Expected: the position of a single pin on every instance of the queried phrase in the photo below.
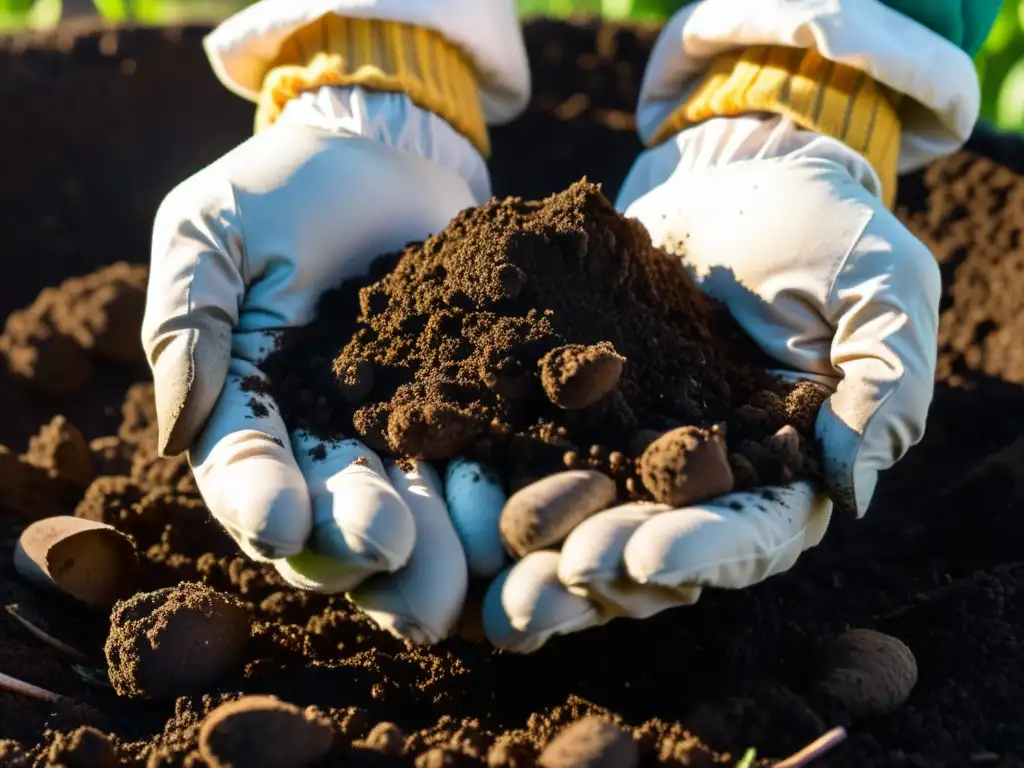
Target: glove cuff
(382, 56)
(819, 95)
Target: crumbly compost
(532, 332)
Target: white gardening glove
(243, 250)
(832, 286)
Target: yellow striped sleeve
(818, 94)
(383, 56)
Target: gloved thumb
(886, 300)
(194, 295)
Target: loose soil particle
(935, 563)
(522, 331)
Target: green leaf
(1010, 104)
(46, 14)
(115, 10)
(748, 759)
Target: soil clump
(175, 640)
(525, 331)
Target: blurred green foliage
(1000, 62)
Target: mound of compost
(539, 334)
(105, 123)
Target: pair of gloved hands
(782, 224)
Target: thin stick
(19, 686)
(50, 640)
(815, 749)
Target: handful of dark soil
(542, 335)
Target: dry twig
(814, 750)
(14, 685)
(45, 637)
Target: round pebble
(869, 673)
(591, 743)
(543, 513)
(264, 731)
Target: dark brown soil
(526, 330)
(106, 127)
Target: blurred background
(1000, 62)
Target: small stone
(355, 379)
(91, 561)
(264, 731)
(544, 512)
(869, 673)
(591, 743)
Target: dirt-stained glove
(830, 284)
(243, 249)
(778, 131)
(371, 133)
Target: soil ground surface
(106, 122)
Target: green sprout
(748, 759)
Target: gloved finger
(246, 472)
(421, 602)
(731, 542)
(886, 317)
(526, 605)
(591, 565)
(475, 500)
(358, 517)
(195, 291)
